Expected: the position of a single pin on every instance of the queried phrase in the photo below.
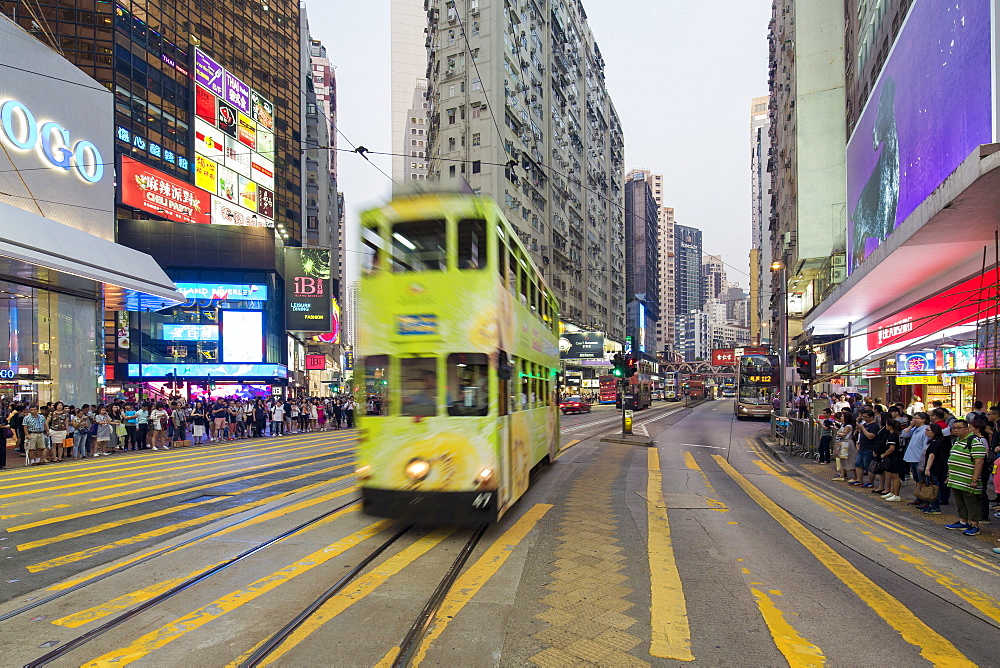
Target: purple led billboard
(931, 106)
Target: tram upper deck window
(418, 386)
(371, 242)
(377, 383)
(468, 384)
(472, 244)
(419, 245)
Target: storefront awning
(940, 244)
(41, 250)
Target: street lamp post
(779, 267)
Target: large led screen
(242, 337)
(190, 332)
(929, 109)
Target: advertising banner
(223, 291)
(208, 73)
(227, 119)
(265, 144)
(227, 213)
(237, 93)
(237, 157)
(727, 356)
(315, 362)
(265, 202)
(307, 290)
(262, 171)
(204, 104)
(909, 363)
(918, 380)
(581, 345)
(248, 194)
(229, 184)
(155, 192)
(205, 174)
(246, 131)
(930, 107)
(263, 110)
(208, 140)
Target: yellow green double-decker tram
(457, 344)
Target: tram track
(411, 641)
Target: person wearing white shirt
(915, 405)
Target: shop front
(59, 265)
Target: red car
(574, 405)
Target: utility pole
(779, 267)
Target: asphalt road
(703, 548)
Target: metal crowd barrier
(796, 435)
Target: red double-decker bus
(608, 393)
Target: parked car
(574, 405)
(657, 396)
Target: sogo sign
(20, 129)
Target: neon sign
(20, 129)
(7, 374)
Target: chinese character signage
(728, 356)
(307, 290)
(153, 191)
(908, 363)
(234, 143)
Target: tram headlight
(484, 477)
(418, 469)
(364, 472)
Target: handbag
(7, 433)
(876, 466)
(93, 429)
(120, 430)
(926, 491)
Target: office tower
(713, 273)
(642, 255)
(519, 110)
(666, 328)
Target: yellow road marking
(138, 596)
(797, 650)
(184, 490)
(671, 631)
(207, 613)
(174, 456)
(933, 646)
(166, 511)
(279, 452)
(692, 464)
(569, 445)
(356, 591)
(280, 512)
(156, 533)
(58, 506)
(472, 580)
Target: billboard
(223, 291)
(315, 362)
(57, 136)
(158, 193)
(190, 332)
(930, 107)
(242, 337)
(234, 145)
(727, 356)
(307, 290)
(581, 345)
(910, 363)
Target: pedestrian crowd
(951, 459)
(55, 432)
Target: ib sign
(21, 130)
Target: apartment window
(451, 170)
(413, 142)
(475, 111)
(451, 143)
(475, 28)
(451, 116)
(413, 176)
(413, 119)
(476, 166)
(477, 84)
(413, 165)
(312, 223)
(475, 139)
(451, 90)
(420, 143)
(413, 131)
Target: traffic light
(170, 381)
(631, 367)
(619, 365)
(805, 364)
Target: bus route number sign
(763, 380)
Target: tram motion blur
(457, 342)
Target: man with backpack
(977, 413)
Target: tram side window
(514, 387)
(502, 261)
(468, 384)
(419, 246)
(377, 383)
(371, 242)
(512, 274)
(418, 386)
(524, 285)
(471, 244)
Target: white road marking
(698, 445)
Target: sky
(681, 75)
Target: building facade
(642, 254)
(519, 111)
(761, 276)
(807, 163)
(713, 275)
(408, 43)
(666, 328)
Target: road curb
(634, 439)
(762, 440)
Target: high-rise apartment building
(693, 325)
(666, 328)
(408, 43)
(761, 276)
(808, 153)
(642, 255)
(520, 111)
(713, 276)
(324, 78)
(319, 187)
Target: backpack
(974, 415)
